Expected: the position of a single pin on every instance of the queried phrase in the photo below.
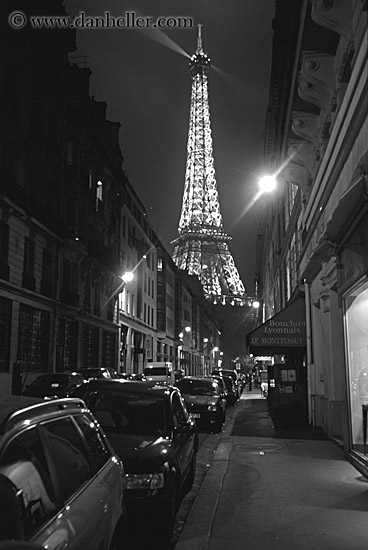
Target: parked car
(242, 381)
(220, 380)
(232, 393)
(98, 372)
(135, 376)
(205, 401)
(160, 371)
(150, 429)
(179, 374)
(57, 384)
(61, 483)
(234, 375)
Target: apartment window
(152, 288)
(159, 264)
(148, 260)
(29, 256)
(69, 152)
(99, 195)
(47, 273)
(4, 243)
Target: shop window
(356, 326)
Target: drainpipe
(310, 365)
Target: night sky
(147, 86)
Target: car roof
(139, 386)
(195, 378)
(15, 409)
(57, 374)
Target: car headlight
(212, 408)
(147, 481)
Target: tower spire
(199, 39)
(202, 245)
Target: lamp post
(125, 334)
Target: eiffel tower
(202, 245)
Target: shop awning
(281, 333)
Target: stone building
(314, 230)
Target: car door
(23, 462)
(184, 435)
(81, 491)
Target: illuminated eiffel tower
(202, 245)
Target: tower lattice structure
(202, 245)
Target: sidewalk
(292, 490)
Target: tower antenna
(199, 39)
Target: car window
(198, 387)
(180, 414)
(128, 412)
(24, 463)
(69, 454)
(39, 382)
(98, 452)
(156, 371)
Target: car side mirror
(185, 427)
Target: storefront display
(356, 329)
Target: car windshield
(50, 381)
(198, 387)
(95, 373)
(128, 412)
(155, 371)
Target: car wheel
(118, 539)
(168, 513)
(191, 475)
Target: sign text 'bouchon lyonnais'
(285, 329)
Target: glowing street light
(127, 276)
(267, 183)
(256, 304)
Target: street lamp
(267, 183)
(256, 304)
(127, 276)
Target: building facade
(313, 235)
(72, 227)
